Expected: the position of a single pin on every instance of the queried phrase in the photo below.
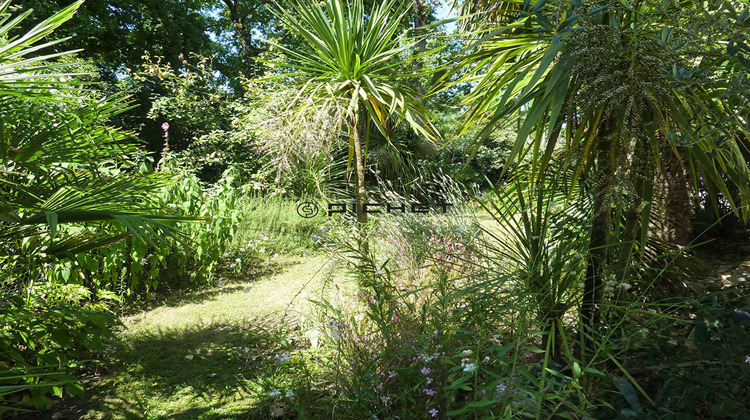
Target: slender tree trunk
(593, 290)
(420, 18)
(361, 193)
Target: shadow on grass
(192, 373)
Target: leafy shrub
(677, 362)
(43, 337)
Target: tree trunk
(593, 290)
(361, 193)
(672, 224)
(245, 36)
(673, 194)
(420, 18)
(638, 177)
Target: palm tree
(67, 180)
(609, 90)
(60, 163)
(350, 61)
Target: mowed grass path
(196, 356)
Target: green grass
(186, 357)
(276, 218)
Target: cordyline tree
(620, 94)
(349, 62)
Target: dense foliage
(539, 184)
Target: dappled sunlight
(353, 210)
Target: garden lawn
(197, 356)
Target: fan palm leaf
(605, 86)
(61, 164)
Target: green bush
(41, 339)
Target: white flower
(470, 367)
(283, 357)
(427, 359)
(275, 393)
(289, 394)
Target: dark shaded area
(218, 367)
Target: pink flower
(428, 391)
(425, 371)
(434, 412)
(165, 126)
(747, 359)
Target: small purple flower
(373, 356)
(165, 126)
(392, 374)
(425, 371)
(501, 386)
(429, 381)
(434, 412)
(384, 399)
(428, 391)
(747, 359)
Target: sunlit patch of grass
(198, 356)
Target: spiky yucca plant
(349, 63)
